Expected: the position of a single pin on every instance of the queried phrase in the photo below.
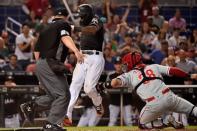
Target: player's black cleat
(28, 110)
(99, 110)
(52, 127)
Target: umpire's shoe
(28, 110)
(99, 110)
(52, 127)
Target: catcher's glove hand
(102, 86)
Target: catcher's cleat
(28, 110)
(52, 127)
(67, 122)
(99, 110)
(173, 123)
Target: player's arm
(120, 81)
(174, 71)
(36, 55)
(67, 40)
(115, 83)
(37, 49)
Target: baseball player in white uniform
(147, 81)
(88, 73)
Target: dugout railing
(34, 89)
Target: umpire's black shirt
(93, 41)
(50, 39)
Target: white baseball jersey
(148, 88)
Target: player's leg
(84, 118)
(113, 114)
(127, 115)
(94, 71)
(150, 116)
(181, 105)
(180, 117)
(170, 121)
(75, 87)
(93, 118)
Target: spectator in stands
(114, 107)
(139, 43)
(127, 46)
(147, 34)
(42, 24)
(169, 61)
(154, 28)
(12, 118)
(158, 20)
(159, 54)
(193, 39)
(114, 19)
(38, 6)
(175, 39)
(109, 61)
(146, 9)
(3, 49)
(177, 21)
(184, 64)
(49, 14)
(120, 32)
(12, 65)
(192, 55)
(5, 36)
(24, 45)
(183, 44)
(156, 43)
(32, 20)
(166, 29)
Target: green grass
(116, 128)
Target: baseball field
(118, 128)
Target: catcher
(147, 81)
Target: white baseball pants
(166, 103)
(87, 73)
(89, 118)
(13, 122)
(114, 112)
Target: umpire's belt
(164, 91)
(91, 52)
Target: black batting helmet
(86, 13)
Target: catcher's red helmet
(130, 60)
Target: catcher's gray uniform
(158, 97)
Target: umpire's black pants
(57, 92)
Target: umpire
(50, 71)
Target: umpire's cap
(62, 11)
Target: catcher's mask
(86, 13)
(130, 60)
